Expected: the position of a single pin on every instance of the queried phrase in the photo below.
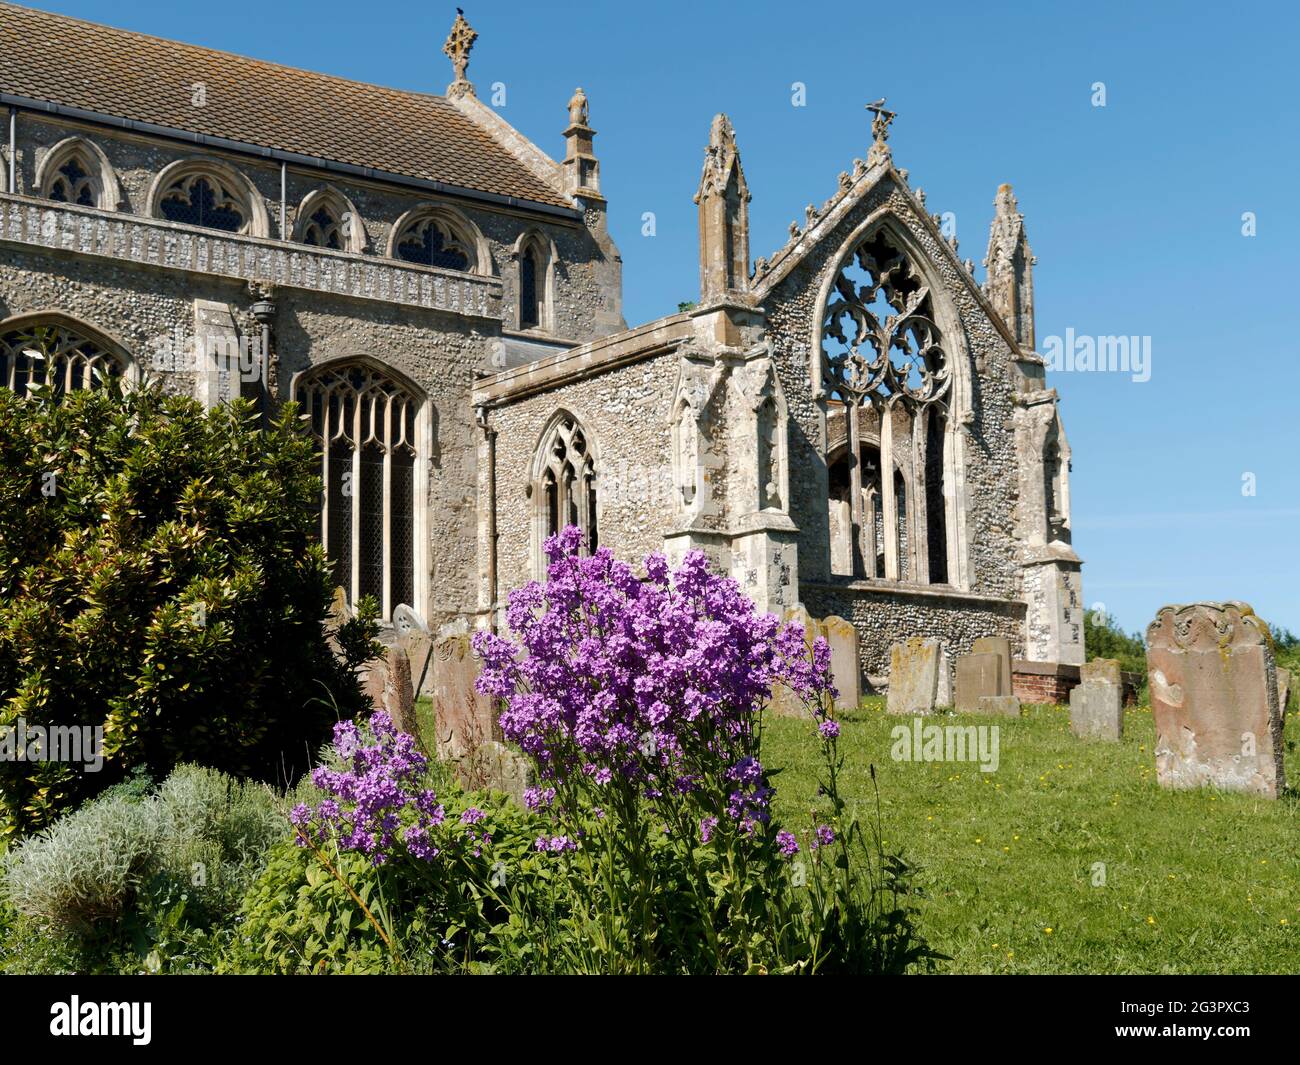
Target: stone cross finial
(882, 117)
(457, 48)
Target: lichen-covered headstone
(1097, 701)
(1215, 699)
(914, 667)
(495, 765)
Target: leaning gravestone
(845, 668)
(977, 677)
(1097, 701)
(1000, 646)
(388, 687)
(1214, 698)
(914, 667)
(464, 719)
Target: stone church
(850, 422)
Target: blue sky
(1133, 209)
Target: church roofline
(333, 166)
(112, 76)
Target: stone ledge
(168, 245)
(895, 589)
(651, 340)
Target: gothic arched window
(885, 367)
(76, 171)
(535, 255)
(564, 485)
(56, 355)
(529, 307)
(432, 242)
(328, 219)
(72, 183)
(365, 426)
(324, 229)
(203, 199)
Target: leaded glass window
(324, 229)
(73, 184)
(429, 242)
(364, 424)
(565, 492)
(54, 355)
(529, 307)
(201, 200)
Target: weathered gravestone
(1097, 701)
(845, 667)
(388, 687)
(1000, 646)
(1000, 705)
(977, 677)
(1283, 689)
(497, 766)
(464, 719)
(914, 668)
(1214, 699)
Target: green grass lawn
(1195, 882)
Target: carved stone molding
(152, 242)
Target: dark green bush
(159, 578)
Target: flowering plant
(651, 686)
(375, 794)
(641, 699)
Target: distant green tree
(1286, 649)
(1104, 638)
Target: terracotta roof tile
(148, 79)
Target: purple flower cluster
(651, 682)
(375, 797)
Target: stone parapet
(168, 245)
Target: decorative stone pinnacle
(457, 48)
(880, 151)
